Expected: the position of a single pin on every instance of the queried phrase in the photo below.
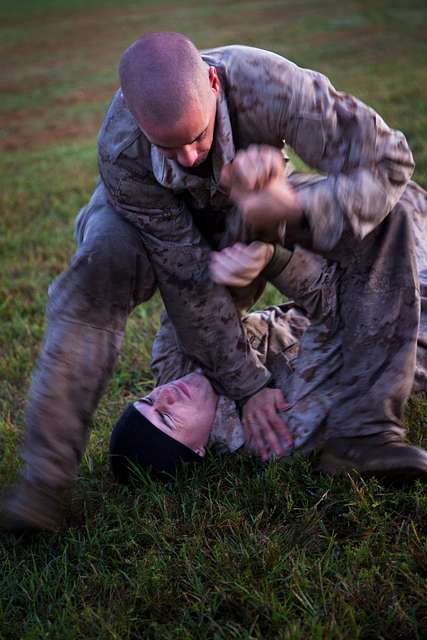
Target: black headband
(135, 441)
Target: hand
(240, 264)
(259, 188)
(264, 210)
(253, 169)
(263, 425)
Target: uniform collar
(172, 176)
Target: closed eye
(167, 420)
(164, 417)
(202, 135)
(172, 149)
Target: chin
(203, 380)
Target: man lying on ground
(176, 421)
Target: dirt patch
(28, 129)
(88, 95)
(51, 135)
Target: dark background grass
(240, 550)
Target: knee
(106, 279)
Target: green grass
(238, 550)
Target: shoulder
(119, 129)
(243, 65)
(261, 89)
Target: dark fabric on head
(136, 441)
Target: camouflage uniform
(152, 224)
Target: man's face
(183, 409)
(189, 140)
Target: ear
(125, 102)
(201, 451)
(214, 80)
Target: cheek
(206, 411)
(204, 151)
(207, 143)
(192, 415)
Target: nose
(164, 397)
(187, 156)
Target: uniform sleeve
(366, 165)
(313, 283)
(206, 321)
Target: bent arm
(303, 276)
(367, 164)
(309, 280)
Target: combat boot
(395, 462)
(30, 507)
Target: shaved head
(162, 77)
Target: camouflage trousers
(352, 377)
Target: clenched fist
(253, 169)
(259, 187)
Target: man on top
(158, 211)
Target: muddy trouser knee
(87, 311)
(356, 365)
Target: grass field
(240, 550)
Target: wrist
(288, 203)
(240, 403)
(269, 253)
(278, 262)
(295, 209)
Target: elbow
(399, 163)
